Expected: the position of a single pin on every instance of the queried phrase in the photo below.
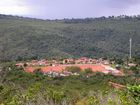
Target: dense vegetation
(92, 37)
(20, 88)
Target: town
(58, 68)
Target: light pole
(130, 50)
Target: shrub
(73, 69)
(135, 93)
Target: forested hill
(27, 38)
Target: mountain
(92, 37)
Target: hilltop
(91, 37)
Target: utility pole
(130, 51)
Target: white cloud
(133, 10)
(69, 8)
(14, 7)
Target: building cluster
(82, 60)
(85, 60)
(56, 68)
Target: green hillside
(27, 38)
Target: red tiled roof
(59, 68)
(30, 69)
(19, 64)
(95, 68)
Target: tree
(119, 61)
(134, 69)
(38, 71)
(25, 65)
(73, 69)
(39, 74)
(87, 71)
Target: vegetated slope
(26, 38)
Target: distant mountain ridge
(91, 37)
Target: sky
(59, 9)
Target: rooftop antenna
(130, 50)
